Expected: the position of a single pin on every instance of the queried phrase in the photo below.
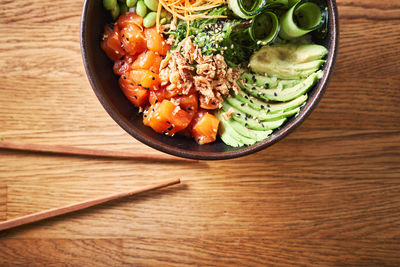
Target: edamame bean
(150, 19)
(151, 4)
(123, 8)
(109, 4)
(115, 12)
(163, 21)
(131, 3)
(141, 8)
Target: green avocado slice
(283, 94)
(228, 130)
(276, 107)
(252, 123)
(263, 115)
(268, 82)
(288, 61)
(249, 133)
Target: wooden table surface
(328, 194)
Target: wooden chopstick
(71, 150)
(41, 215)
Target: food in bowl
(205, 69)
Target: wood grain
(85, 204)
(3, 202)
(327, 195)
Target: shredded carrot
(158, 17)
(188, 10)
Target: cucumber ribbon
(303, 17)
(265, 28)
(247, 9)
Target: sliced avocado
(298, 71)
(251, 101)
(310, 52)
(263, 115)
(279, 115)
(259, 80)
(232, 133)
(249, 133)
(276, 107)
(284, 94)
(226, 137)
(267, 82)
(251, 123)
(288, 61)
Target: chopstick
(41, 215)
(71, 150)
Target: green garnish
(303, 17)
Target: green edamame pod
(141, 8)
(115, 12)
(109, 4)
(131, 3)
(150, 19)
(123, 8)
(151, 4)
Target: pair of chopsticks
(70, 150)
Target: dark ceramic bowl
(105, 85)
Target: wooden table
(329, 194)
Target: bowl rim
(311, 104)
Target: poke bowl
(230, 80)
